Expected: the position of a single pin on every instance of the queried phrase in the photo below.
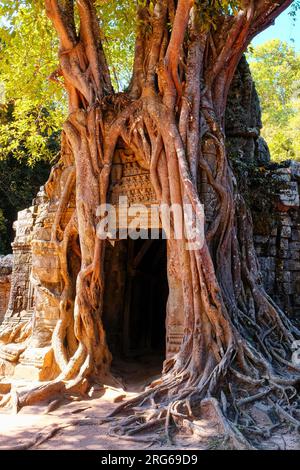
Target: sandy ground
(69, 427)
(66, 427)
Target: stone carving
(6, 263)
(129, 179)
(18, 300)
(243, 118)
(36, 282)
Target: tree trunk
(237, 343)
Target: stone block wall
(6, 263)
(277, 241)
(22, 260)
(279, 251)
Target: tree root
(17, 399)
(182, 406)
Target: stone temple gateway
(136, 284)
(137, 271)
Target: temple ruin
(6, 263)
(137, 271)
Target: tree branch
(159, 23)
(265, 15)
(90, 36)
(252, 19)
(176, 41)
(63, 22)
(138, 76)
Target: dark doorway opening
(135, 307)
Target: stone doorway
(135, 308)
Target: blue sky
(285, 29)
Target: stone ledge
(36, 364)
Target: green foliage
(118, 24)
(3, 233)
(210, 10)
(275, 67)
(31, 108)
(19, 184)
(295, 7)
(35, 106)
(28, 56)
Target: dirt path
(68, 428)
(78, 425)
